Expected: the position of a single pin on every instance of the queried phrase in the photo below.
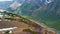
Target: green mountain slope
(29, 6)
(49, 14)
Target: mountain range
(6, 5)
(42, 11)
(49, 14)
(30, 5)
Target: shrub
(28, 30)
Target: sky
(5, 0)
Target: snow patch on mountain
(15, 5)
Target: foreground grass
(28, 30)
(20, 19)
(53, 22)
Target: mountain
(45, 11)
(5, 4)
(29, 6)
(8, 5)
(12, 7)
(20, 1)
(49, 14)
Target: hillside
(23, 25)
(46, 12)
(30, 5)
(49, 14)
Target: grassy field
(49, 22)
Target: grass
(53, 22)
(28, 30)
(21, 19)
(7, 32)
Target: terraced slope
(23, 23)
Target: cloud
(6, 0)
(48, 1)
